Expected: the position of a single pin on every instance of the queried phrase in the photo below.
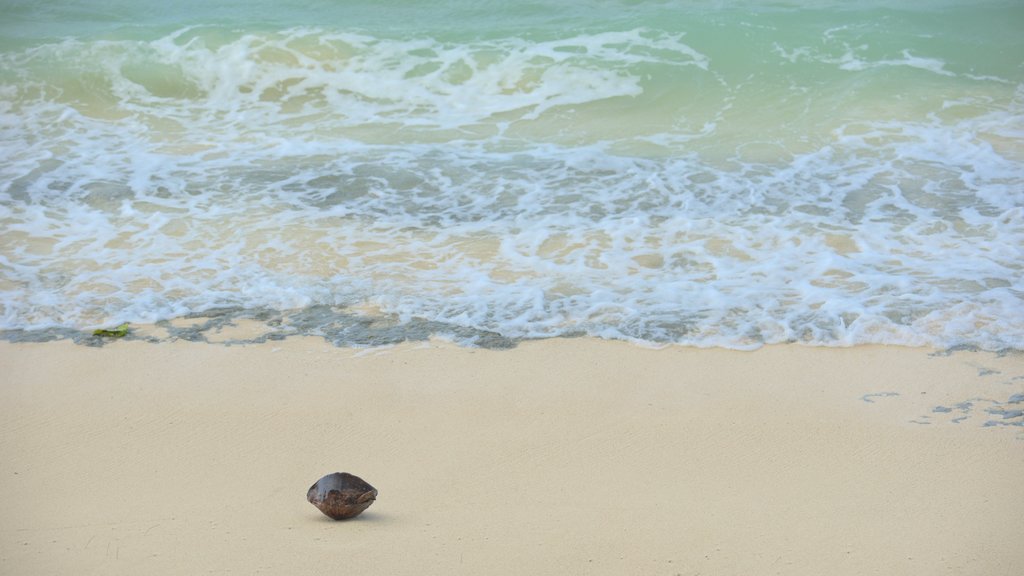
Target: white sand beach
(557, 457)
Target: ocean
(706, 173)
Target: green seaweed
(118, 332)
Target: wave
(638, 184)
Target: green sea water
(709, 173)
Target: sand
(557, 457)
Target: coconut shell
(341, 495)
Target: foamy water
(663, 173)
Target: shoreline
(558, 456)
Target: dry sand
(558, 457)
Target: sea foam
(637, 184)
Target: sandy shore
(558, 457)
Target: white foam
(850, 61)
(356, 79)
(853, 57)
(308, 168)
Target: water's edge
(345, 328)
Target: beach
(561, 456)
(601, 287)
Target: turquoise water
(706, 173)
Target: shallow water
(707, 173)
